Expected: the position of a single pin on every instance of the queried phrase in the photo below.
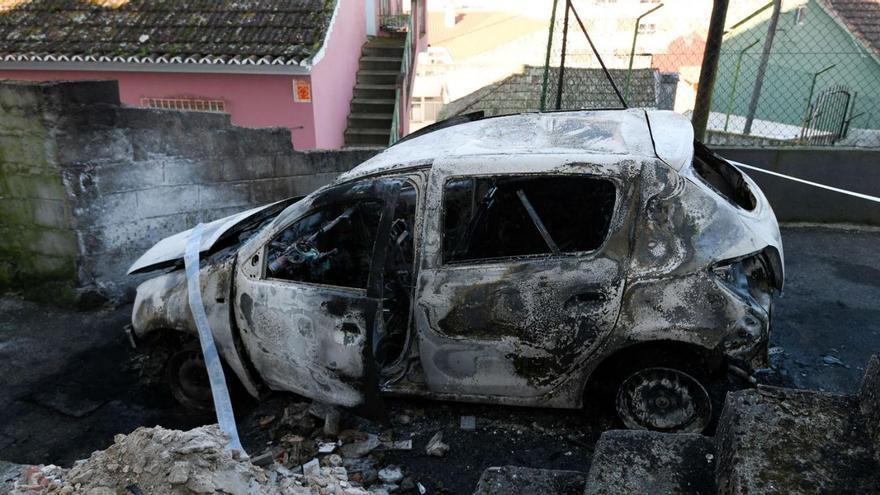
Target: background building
(287, 64)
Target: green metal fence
(813, 79)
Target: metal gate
(826, 120)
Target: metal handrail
(403, 86)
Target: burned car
(520, 260)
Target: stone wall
(89, 185)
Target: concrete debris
(468, 423)
(326, 447)
(390, 474)
(436, 447)
(360, 447)
(833, 361)
(396, 445)
(157, 460)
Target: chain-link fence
(817, 82)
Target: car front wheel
(188, 379)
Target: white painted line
(810, 183)
(222, 403)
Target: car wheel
(187, 377)
(663, 399)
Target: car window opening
(513, 216)
(723, 178)
(331, 246)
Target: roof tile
(283, 31)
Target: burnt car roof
(639, 132)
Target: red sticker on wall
(302, 91)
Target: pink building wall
(334, 75)
(252, 100)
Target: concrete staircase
(769, 440)
(372, 106)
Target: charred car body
(511, 260)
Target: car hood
(170, 250)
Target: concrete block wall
(119, 179)
(855, 170)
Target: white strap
(222, 403)
(810, 183)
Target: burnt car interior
(330, 246)
(503, 217)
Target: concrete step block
(776, 440)
(869, 401)
(631, 461)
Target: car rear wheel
(663, 399)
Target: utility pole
(709, 69)
(762, 66)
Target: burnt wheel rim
(663, 399)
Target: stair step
(372, 105)
(631, 461)
(380, 63)
(353, 138)
(384, 132)
(380, 59)
(374, 101)
(784, 440)
(380, 77)
(375, 90)
(514, 479)
(386, 41)
(382, 51)
(369, 121)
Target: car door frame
(438, 348)
(360, 393)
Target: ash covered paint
(525, 330)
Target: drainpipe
(632, 50)
(735, 77)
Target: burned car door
(309, 296)
(525, 280)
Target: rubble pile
(154, 460)
(306, 454)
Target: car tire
(646, 375)
(187, 377)
(664, 399)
